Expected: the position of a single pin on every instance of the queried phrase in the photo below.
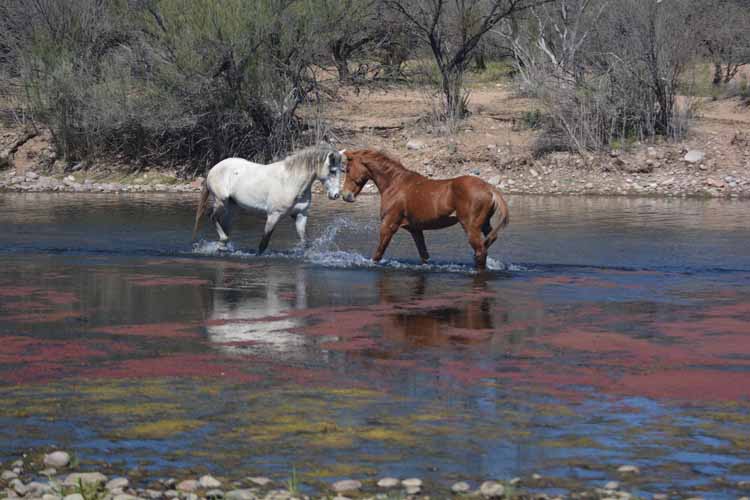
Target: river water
(610, 331)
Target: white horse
(278, 189)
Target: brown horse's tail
(499, 218)
(201, 207)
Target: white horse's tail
(201, 207)
(499, 218)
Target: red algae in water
(181, 365)
(169, 330)
(149, 280)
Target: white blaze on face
(332, 181)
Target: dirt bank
(494, 143)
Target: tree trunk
(455, 108)
(480, 60)
(340, 53)
(717, 75)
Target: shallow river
(611, 331)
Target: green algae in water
(161, 429)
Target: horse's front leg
(388, 228)
(421, 245)
(300, 222)
(271, 221)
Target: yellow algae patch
(332, 440)
(550, 410)
(136, 409)
(570, 442)
(339, 470)
(355, 393)
(390, 435)
(25, 410)
(155, 389)
(162, 429)
(725, 416)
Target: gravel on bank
(33, 478)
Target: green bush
(180, 82)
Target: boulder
(57, 459)
(694, 156)
(346, 485)
(87, 478)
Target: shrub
(184, 82)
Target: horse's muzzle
(333, 196)
(349, 197)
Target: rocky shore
(54, 476)
(687, 174)
(716, 169)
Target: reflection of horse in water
(254, 317)
(440, 321)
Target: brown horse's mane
(383, 162)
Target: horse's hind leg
(476, 240)
(474, 229)
(421, 245)
(222, 217)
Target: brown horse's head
(357, 175)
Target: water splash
(324, 251)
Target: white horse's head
(330, 175)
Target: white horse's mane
(309, 159)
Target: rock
(214, 495)
(414, 145)
(388, 482)
(187, 486)
(209, 482)
(259, 481)
(589, 186)
(536, 477)
(346, 485)
(514, 481)
(32, 175)
(413, 490)
(240, 495)
(38, 489)
(714, 183)
(660, 496)
(495, 180)
(87, 478)
(49, 471)
(413, 481)
(171, 494)
(491, 489)
(51, 496)
(694, 156)
(57, 459)
(18, 486)
(461, 487)
(533, 173)
(124, 496)
(74, 496)
(8, 475)
(612, 485)
(117, 483)
(628, 469)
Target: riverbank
(668, 171)
(56, 476)
(556, 176)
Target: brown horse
(412, 201)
